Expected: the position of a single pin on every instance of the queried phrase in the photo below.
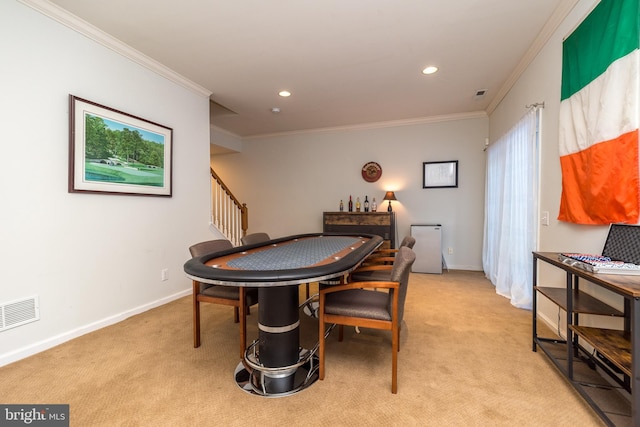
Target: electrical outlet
(164, 274)
(450, 251)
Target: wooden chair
(353, 304)
(408, 241)
(251, 239)
(378, 265)
(239, 297)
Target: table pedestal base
(275, 365)
(265, 384)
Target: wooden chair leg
(340, 333)
(236, 315)
(321, 341)
(307, 291)
(196, 315)
(394, 361)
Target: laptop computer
(620, 254)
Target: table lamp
(390, 196)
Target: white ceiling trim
(65, 18)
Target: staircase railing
(229, 216)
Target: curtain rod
(535, 105)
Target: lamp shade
(390, 196)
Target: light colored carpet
(465, 360)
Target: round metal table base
(256, 382)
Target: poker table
(274, 365)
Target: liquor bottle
(366, 204)
(350, 205)
(357, 204)
(341, 206)
(374, 205)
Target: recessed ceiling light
(430, 70)
(284, 93)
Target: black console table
(608, 377)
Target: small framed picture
(440, 174)
(115, 152)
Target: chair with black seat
(239, 297)
(378, 265)
(355, 304)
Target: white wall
(225, 142)
(288, 181)
(541, 83)
(91, 259)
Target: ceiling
(346, 62)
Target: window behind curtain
(511, 206)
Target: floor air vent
(19, 312)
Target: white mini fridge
(428, 248)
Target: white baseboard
(30, 350)
(462, 267)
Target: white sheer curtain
(511, 206)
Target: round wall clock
(371, 172)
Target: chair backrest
(251, 239)
(408, 241)
(209, 246)
(400, 273)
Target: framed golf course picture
(114, 152)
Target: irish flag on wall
(599, 117)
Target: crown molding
(71, 21)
